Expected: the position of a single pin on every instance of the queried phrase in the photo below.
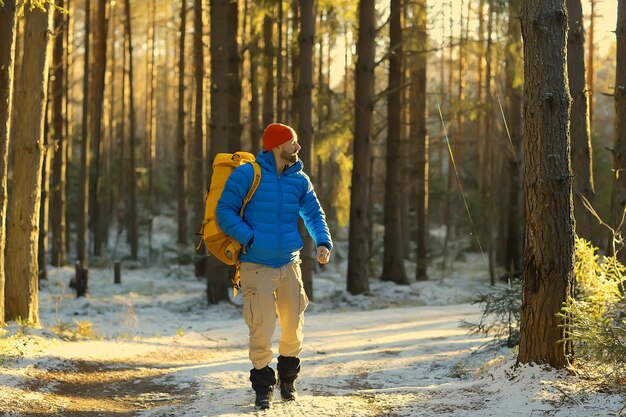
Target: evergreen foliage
(596, 316)
(501, 314)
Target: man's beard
(292, 158)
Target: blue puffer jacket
(271, 216)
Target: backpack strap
(255, 184)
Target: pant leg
(291, 301)
(258, 283)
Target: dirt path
(348, 360)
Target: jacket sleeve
(314, 218)
(229, 205)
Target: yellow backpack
(222, 246)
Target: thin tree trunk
(489, 153)
(44, 209)
(151, 122)
(619, 147)
(181, 165)
(549, 243)
(97, 72)
(198, 173)
(305, 123)
(59, 253)
(21, 287)
(255, 130)
(234, 78)
(419, 135)
(8, 21)
(579, 122)
(513, 106)
(360, 232)
(591, 67)
(279, 64)
(393, 259)
(133, 225)
(268, 66)
(68, 127)
(217, 272)
(83, 195)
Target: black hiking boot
(288, 368)
(288, 391)
(264, 399)
(263, 381)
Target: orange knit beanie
(276, 134)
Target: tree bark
(83, 195)
(8, 21)
(591, 66)
(305, 123)
(279, 64)
(419, 134)
(549, 242)
(217, 288)
(44, 207)
(360, 232)
(268, 69)
(59, 253)
(619, 147)
(513, 109)
(97, 71)
(133, 226)
(234, 78)
(393, 259)
(579, 122)
(28, 146)
(255, 129)
(181, 165)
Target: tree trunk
(619, 148)
(590, 67)
(8, 21)
(234, 78)
(44, 208)
(489, 154)
(268, 69)
(97, 70)
(279, 64)
(59, 253)
(133, 226)
(151, 123)
(28, 147)
(68, 127)
(419, 135)
(217, 288)
(549, 243)
(255, 130)
(295, 62)
(513, 108)
(393, 260)
(579, 122)
(360, 232)
(305, 123)
(83, 195)
(181, 166)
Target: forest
(464, 151)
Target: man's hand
(323, 255)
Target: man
(270, 260)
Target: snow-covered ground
(153, 347)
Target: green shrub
(595, 318)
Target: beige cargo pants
(267, 293)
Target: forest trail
(367, 363)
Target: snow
(151, 346)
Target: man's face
(289, 150)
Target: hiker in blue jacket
(271, 279)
